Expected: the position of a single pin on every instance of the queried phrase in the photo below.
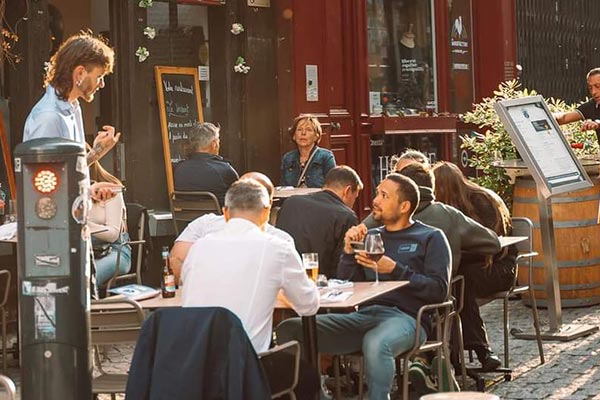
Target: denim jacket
(322, 161)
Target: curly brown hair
(81, 49)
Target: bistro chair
(137, 220)
(187, 206)
(113, 321)
(521, 226)
(7, 277)
(281, 365)
(440, 314)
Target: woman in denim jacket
(308, 164)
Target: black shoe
(489, 361)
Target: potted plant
(495, 143)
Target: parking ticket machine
(54, 292)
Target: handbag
(101, 249)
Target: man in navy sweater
(384, 327)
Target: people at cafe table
(318, 221)
(385, 327)
(205, 170)
(308, 164)
(242, 268)
(588, 112)
(210, 223)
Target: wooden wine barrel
(577, 239)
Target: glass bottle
(168, 278)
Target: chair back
(9, 387)
(137, 223)
(115, 321)
(522, 226)
(281, 365)
(187, 206)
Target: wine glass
(374, 250)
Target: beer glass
(311, 265)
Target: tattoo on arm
(95, 153)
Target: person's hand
(589, 125)
(103, 191)
(385, 265)
(355, 234)
(104, 141)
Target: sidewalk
(572, 369)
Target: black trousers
(482, 281)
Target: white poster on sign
(259, 3)
(312, 83)
(204, 73)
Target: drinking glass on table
(311, 265)
(374, 250)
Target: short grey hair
(202, 134)
(247, 195)
(409, 154)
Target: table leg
(311, 350)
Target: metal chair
(187, 206)
(136, 227)
(5, 273)
(9, 387)
(281, 365)
(521, 226)
(112, 325)
(440, 316)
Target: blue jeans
(106, 266)
(380, 332)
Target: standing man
(385, 326)
(205, 170)
(319, 221)
(588, 112)
(76, 70)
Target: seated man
(205, 170)
(384, 327)
(242, 268)
(209, 223)
(319, 221)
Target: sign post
(555, 169)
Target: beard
(88, 90)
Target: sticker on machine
(44, 312)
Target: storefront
(382, 75)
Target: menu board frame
(526, 120)
(159, 71)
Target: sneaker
(419, 376)
(445, 386)
(325, 393)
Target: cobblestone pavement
(571, 371)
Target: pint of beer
(311, 265)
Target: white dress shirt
(210, 223)
(242, 269)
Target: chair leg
(536, 324)
(361, 375)
(4, 350)
(506, 330)
(461, 350)
(405, 378)
(336, 374)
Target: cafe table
(283, 192)
(509, 240)
(361, 293)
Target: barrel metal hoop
(570, 224)
(588, 301)
(579, 286)
(556, 200)
(570, 263)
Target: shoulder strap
(312, 155)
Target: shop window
(182, 40)
(401, 57)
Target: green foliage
(495, 144)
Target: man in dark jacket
(319, 221)
(384, 327)
(205, 170)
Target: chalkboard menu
(179, 102)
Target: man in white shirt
(242, 268)
(210, 223)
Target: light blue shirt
(53, 117)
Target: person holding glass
(307, 165)
(385, 326)
(109, 219)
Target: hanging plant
(240, 66)
(150, 32)
(145, 3)
(236, 28)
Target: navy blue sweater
(422, 256)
